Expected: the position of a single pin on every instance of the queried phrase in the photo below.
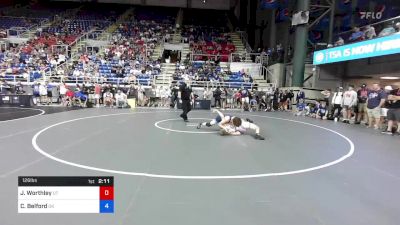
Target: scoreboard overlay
(65, 194)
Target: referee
(185, 95)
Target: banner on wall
(365, 49)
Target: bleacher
(200, 72)
(9, 22)
(145, 30)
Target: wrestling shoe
(249, 120)
(259, 137)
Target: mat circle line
(157, 124)
(199, 177)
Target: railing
(379, 26)
(207, 57)
(244, 38)
(162, 77)
(56, 79)
(233, 57)
(16, 31)
(266, 73)
(223, 84)
(253, 57)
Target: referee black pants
(186, 107)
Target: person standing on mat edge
(185, 97)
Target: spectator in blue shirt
(300, 108)
(81, 97)
(357, 35)
(300, 95)
(376, 99)
(49, 93)
(322, 112)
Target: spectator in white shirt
(43, 92)
(337, 102)
(369, 32)
(76, 73)
(63, 92)
(349, 101)
(108, 98)
(121, 99)
(61, 58)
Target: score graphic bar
(65, 194)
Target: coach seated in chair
(121, 99)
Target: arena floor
(167, 172)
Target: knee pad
(208, 124)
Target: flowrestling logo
(371, 15)
(365, 49)
(375, 15)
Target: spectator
(376, 99)
(49, 93)
(165, 96)
(142, 98)
(262, 105)
(388, 30)
(369, 32)
(357, 35)
(36, 91)
(393, 115)
(229, 98)
(283, 96)
(300, 95)
(238, 99)
(121, 99)
(339, 42)
(327, 95)
(290, 99)
(43, 93)
(174, 95)
(362, 96)
(81, 97)
(63, 92)
(337, 103)
(398, 27)
(108, 98)
(244, 94)
(300, 108)
(253, 104)
(348, 102)
(322, 112)
(97, 94)
(224, 94)
(69, 97)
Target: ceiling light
(390, 78)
